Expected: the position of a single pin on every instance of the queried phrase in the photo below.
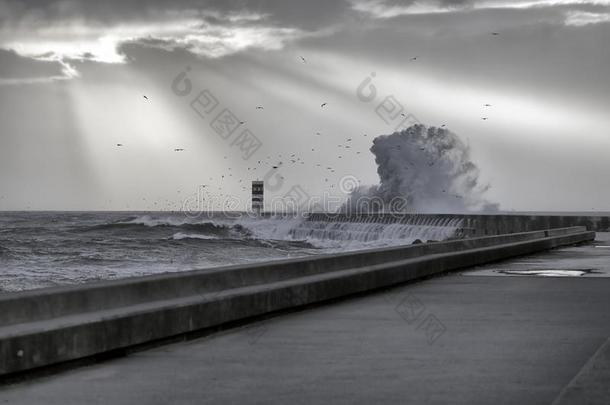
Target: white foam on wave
(147, 220)
(181, 236)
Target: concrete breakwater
(470, 224)
(49, 326)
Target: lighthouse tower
(257, 196)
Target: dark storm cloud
(451, 43)
(214, 28)
(302, 14)
(535, 51)
(16, 68)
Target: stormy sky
(73, 76)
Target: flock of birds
(215, 199)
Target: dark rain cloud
(309, 14)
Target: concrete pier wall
(61, 301)
(48, 326)
(477, 225)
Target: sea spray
(423, 169)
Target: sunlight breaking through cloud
(581, 18)
(383, 9)
(206, 34)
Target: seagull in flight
(178, 150)
(145, 97)
(119, 144)
(486, 105)
(260, 107)
(484, 118)
(414, 58)
(303, 59)
(323, 105)
(495, 33)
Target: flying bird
(414, 58)
(260, 107)
(495, 33)
(484, 118)
(486, 105)
(119, 144)
(303, 59)
(178, 150)
(323, 105)
(145, 97)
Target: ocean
(44, 249)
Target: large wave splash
(422, 169)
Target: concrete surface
(594, 259)
(48, 341)
(592, 384)
(449, 340)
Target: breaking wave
(333, 231)
(147, 223)
(181, 236)
(422, 169)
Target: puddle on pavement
(546, 273)
(537, 272)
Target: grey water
(44, 249)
